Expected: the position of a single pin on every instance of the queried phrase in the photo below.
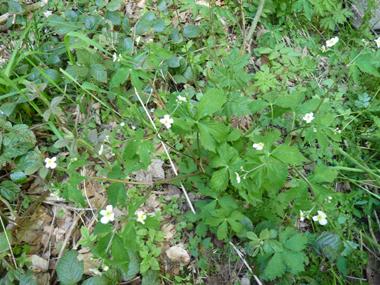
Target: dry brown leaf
(88, 263)
(169, 230)
(155, 168)
(38, 263)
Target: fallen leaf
(38, 263)
(169, 230)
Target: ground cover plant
(189, 142)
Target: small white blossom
(107, 215)
(321, 218)
(101, 150)
(302, 216)
(167, 121)
(54, 195)
(141, 217)
(237, 177)
(114, 57)
(314, 130)
(50, 162)
(138, 39)
(133, 127)
(152, 110)
(308, 117)
(337, 130)
(377, 41)
(122, 124)
(105, 267)
(332, 42)
(180, 98)
(323, 48)
(258, 146)
(95, 271)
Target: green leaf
(142, 26)
(18, 176)
(119, 77)
(54, 75)
(96, 280)
(322, 173)
(117, 193)
(276, 266)
(191, 31)
(61, 143)
(9, 190)
(97, 71)
(264, 234)
(151, 278)
(114, 17)
(342, 265)
(4, 245)
(120, 254)
(145, 157)
(113, 5)
(297, 242)
(7, 108)
(211, 102)
(289, 154)
(134, 265)
(85, 57)
(14, 7)
(159, 25)
(89, 22)
(222, 231)
(295, 261)
(219, 180)
(76, 195)
(69, 269)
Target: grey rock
(357, 9)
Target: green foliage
(69, 269)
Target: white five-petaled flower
(50, 162)
(323, 48)
(237, 177)
(258, 146)
(140, 217)
(332, 42)
(122, 124)
(377, 41)
(321, 218)
(133, 127)
(101, 150)
(54, 195)
(302, 216)
(167, 121)
(107, 215)
(181, 98)
(308, 117)
(337, 130)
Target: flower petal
(104, 220)
(323, 222)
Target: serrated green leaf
(4, 245)
(119, 77)
(97, 71)
(159, 25)
(96, 280)
(113, 5)
(117, 193)
(14, 7)
(211, 102)
(288, 154)
(295, 261)
(219, 180)
(69, 269)
(297, 242)
(9, 190)
(222, 231)
(191, 31)
(76, 195)
(89, 22)
(7, 108)
(342, 265)
(151, 278)
(276, 266)
(54, 75)
(120, 254)
(142, 26)
(114, 17)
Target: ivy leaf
(117, 193)
(191, 31)
(69, 269)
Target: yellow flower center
(320, 217)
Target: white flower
(133, 127)
(258, 146)
(50, 162)
(122, 124)
(332, 42)
(95, 271)
(140, 217)
(323, 48)
(308, 117)
(321, 218)
(180, 98)
(152, 110)
(54, 195)
(114, 57)
(378, 42)
(337, 130)
(237, 177)
(105, 267)
(107, 215)
(167, 121)
(302, 216)
(138, 39)
(101, 150)
(314, 130)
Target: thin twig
(246, 264)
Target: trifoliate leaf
(297, 242)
